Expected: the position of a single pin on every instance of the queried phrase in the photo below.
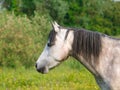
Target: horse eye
(49, 44)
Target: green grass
(63, 77)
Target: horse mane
(86, 43)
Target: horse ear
(55, 26)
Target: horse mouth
(44, 70)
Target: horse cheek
(64, 53)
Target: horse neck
(89, 64)
(86, 48)
(92, 64)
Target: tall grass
(62, 77)
(21, 39)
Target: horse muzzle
(42, 70)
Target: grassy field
(64, 77)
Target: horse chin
(45, 71)
(52, 67)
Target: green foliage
(20, 6)
(21, 39)
(28, 7)
(57, 9)
(95, 15)
(80, 13)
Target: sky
(116, 0)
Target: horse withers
(99, 53)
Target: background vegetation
(25, 24)
(24, 28)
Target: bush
(21, 39)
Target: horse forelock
(86, 43)
(53, 34)
(51, 37)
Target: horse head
(56, 50)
